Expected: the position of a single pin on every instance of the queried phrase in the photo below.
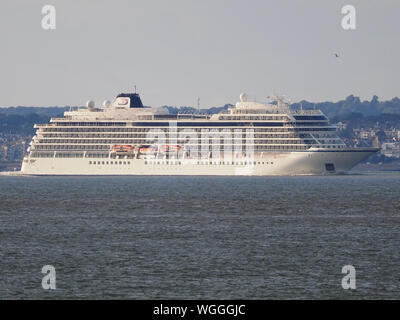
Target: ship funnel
(131, 100)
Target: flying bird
(336, 55)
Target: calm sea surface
(200, 237)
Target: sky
(178, 50)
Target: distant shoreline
(395, 166)
(10, 165)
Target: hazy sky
(178, 50)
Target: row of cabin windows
(95, 124)
(210, 162)
(163, 162)
(42, 154)
(179, 135)
(240, 117)
(204, 140)
(174, 135)
(107, 147)
(232, 162)
(109, 162)
(112, 139)
(256, 129)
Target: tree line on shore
(20, 120)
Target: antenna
(135, 88)
(198, 104)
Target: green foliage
(357, 113)
(353, 104)
(20, 120)
(357, 120)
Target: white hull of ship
(274, 163)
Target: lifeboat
(122, 149)
(148, 149)
(170, 148)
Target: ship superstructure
(126, 138)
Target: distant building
(373, 133)
(341, 125)
(12, 147)
(376, 143)
(390, 134)
(391, 149)
(364, 134)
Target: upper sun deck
(278, 107)
(122, 109)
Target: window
(330, 167)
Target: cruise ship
(124, 137)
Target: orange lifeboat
(148, 149)
(122, 148)
(170, 148)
